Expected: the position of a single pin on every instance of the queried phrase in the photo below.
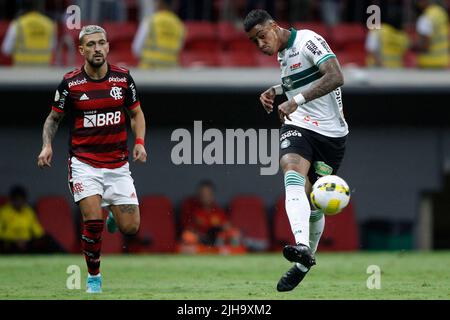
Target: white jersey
(300, 62)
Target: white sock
(297, 206)
(316, 226)
(95, 275)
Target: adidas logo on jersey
(84, 97)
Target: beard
(96, 64)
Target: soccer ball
(331, 194)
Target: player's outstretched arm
(50, 127)
(138, 128)
(332, 79)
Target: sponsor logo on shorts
(290, 133)
(77, 82)
(286, 143)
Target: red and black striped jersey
(98, 134)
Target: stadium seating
(237, 59)
(355, 58)
(266, 61)
(317, 27)
(199, 59)
(157, 229)
(248, 214)
(201, 36)
(187, 210)
(120, 35)
(3, 200)
(4, 60)
(209, 44)
(341, 232)
(55, 215)
(347, 36)
(124, 58)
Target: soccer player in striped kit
(96, 96)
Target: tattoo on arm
(332, 79)
(51, 126)
(127, 208)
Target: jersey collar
(97, 80)
(291, 38)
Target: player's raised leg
(295, 170)
(91, 240)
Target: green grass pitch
(404, 275)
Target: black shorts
(324, 153)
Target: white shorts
(115, 186)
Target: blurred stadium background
(398, 156)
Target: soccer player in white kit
(313, 133)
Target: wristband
(278, 89)
(139, 141)
(299, 99)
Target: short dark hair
(254, 17)
(17, 191)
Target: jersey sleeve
(317, 49)
(61, 100)
(131, 96)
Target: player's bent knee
(295, 162)
(129, 229)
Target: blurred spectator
(20, 230)
(386, 47)
(31, 38)
(146, 8)
(159, 39)
(196, 10)
(330, 11)
(299, 10)
(267, 5)
(432, 30)
(209, 225)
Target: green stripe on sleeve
(325, 58)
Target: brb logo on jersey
(101, 119)
(116, 93)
